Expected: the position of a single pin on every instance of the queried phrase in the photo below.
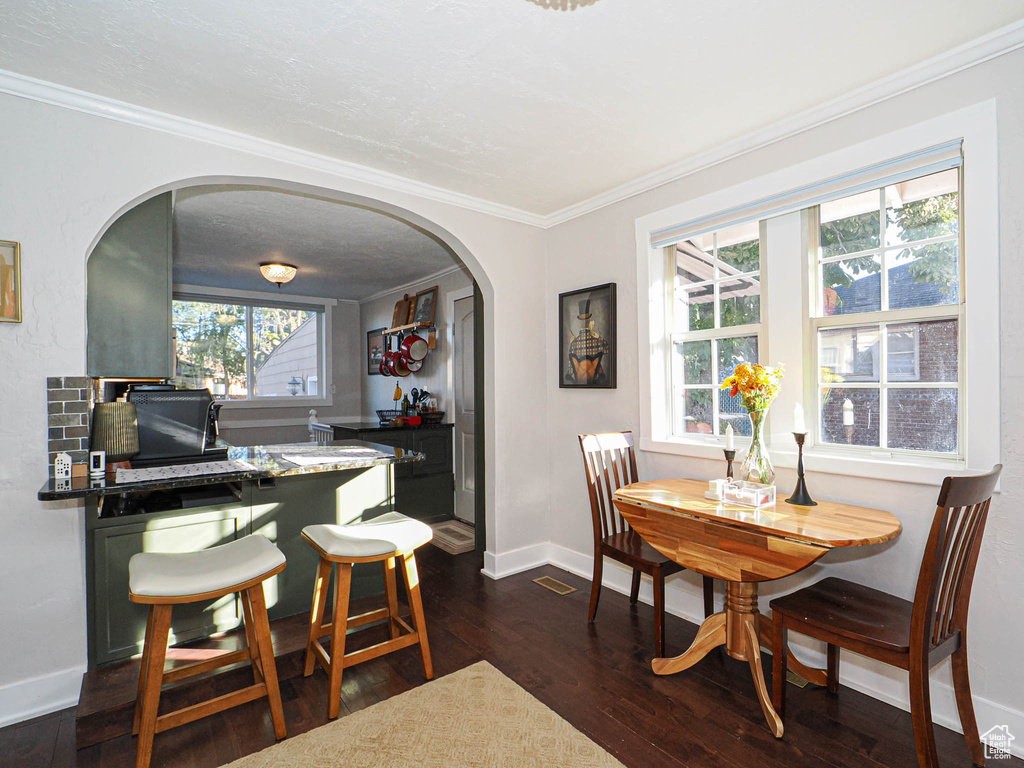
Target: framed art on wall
(587, 349)
(10, 282)
(426, 303)
(374, 351)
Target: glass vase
(757, 466)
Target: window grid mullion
(250, 382)
(715, 415)
(883, 381)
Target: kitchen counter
(375, 426)
(266, 461)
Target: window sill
(894, 469)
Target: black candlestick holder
(729, 457)
(800, 495)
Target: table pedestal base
(739, 628)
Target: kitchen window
(249, 352)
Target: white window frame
(261, 298)
(975, 126)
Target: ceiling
(504, 100)
(222, 233)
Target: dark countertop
(375, 426)
(267, 461)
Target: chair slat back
(951, 555)
(610, 462)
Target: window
(247, 351)
(716, 322)
(889, 259)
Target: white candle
(729, 438)
(847, 413)
(798, 419)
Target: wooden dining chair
(914, 636)
(610, 461)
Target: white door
(465, 453)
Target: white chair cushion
(391, 533)
(155, 574)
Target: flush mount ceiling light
(563, 5)
(276, 272)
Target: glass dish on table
(749, 494)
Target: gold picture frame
(10, 281)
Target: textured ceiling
(503, 100)
(222, 233)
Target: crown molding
(990, 46)
(993, 45)
(57, 95)
(417, 281)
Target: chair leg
(595, 585)
(832, 673)
(342, 585)
(391, 592)
(634, 589)
(965, 704)
(261, 629)
(154, 678)
(419, 623)
(659, 613)
(147, 647)
(709, 596)
(780, 651)
(921, 715)
(316, 614)
(251, 638)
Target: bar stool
(165, 580)
(380, 540)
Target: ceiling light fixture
(563, 5)
(279, 273)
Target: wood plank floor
(597, 676)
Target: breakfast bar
(273, 490)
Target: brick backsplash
(69, 402)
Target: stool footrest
(198, 667)
(211, 707)
(358, 657)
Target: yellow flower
(756, 383)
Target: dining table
(743, 546)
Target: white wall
(67, 174)
(433, 376)
(601, 247)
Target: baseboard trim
(40, 695)
(502, 564)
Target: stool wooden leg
(391, 591)
(342, 584)
(266, 652)
(252, 641)
(154, 673)
(143, 664)
(412, 585)
(316, 614)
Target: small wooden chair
(163, 580)
(382, 540)
(914, 636)
(610, 462)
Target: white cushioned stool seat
(155, 574)
(390, 533)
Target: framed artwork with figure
(587, 349)
(374, 351)
(10, 282)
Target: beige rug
(473, 717)
(454, 536)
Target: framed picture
(426, 303)
(587, 348)
(374, 351)
(10, 282)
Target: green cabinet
(128, 304)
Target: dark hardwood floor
(597, 676)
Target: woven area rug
(473, 717)
(454, 536)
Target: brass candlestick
(800, 495)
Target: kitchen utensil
(414, 347)
(401, 366)
(414, 393)
(414, 365)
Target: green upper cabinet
(129, 295)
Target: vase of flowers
(758, 385)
